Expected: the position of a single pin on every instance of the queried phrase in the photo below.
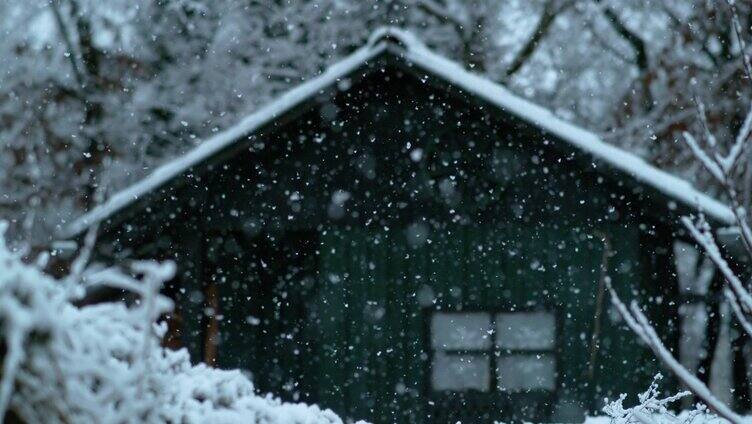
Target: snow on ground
(416, 54)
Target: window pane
(520, 373)
(461, 331)
(460, 372)
(525, 330)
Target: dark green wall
(318, 298)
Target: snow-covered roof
(416, 54)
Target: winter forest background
(95, 94)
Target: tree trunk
(741, 378)
(712, 328)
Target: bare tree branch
(550, 11)
(601, 292)
(638, 45)
(74, 55)
(740, 39)
(634, 40)
(441, 13)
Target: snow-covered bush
(653, 409)
(104, 364)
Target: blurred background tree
(94, 94)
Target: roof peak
(396, 36)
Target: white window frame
(495, 352)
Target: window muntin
(513, 351)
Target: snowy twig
(731, 297)
(740, 39)
(14, 339)
(651, 409)
(723, 169)
(700, 231)
(81, 261)
(154, 274)
(710, 165)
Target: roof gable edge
(580, 138)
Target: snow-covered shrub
(104, 364)
(652, 409)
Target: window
(509, 352)
(527, 341)
(461, 343)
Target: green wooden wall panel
(331, 349)
(357, 340)
(471, 267)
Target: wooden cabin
(401, 240)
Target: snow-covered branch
(651, 409)
(442, 13)
(743, 320)
(710, 164)
(701, 232)
(640, 325)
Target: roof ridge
(395, 35)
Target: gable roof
(415, 54)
